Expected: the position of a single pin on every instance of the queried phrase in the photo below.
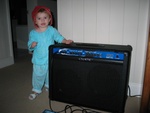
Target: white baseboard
(136, 89)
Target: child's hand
(33, 44)
(67, 41)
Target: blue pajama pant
(40, 77)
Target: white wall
(122, 22)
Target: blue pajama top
(44, 40)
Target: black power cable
(71, 110)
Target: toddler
(39, 41)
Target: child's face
(42, 19)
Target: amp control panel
(100, 54)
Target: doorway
(18, 17)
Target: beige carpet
(15, 84)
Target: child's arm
(32, 43)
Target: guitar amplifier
(90, 75)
